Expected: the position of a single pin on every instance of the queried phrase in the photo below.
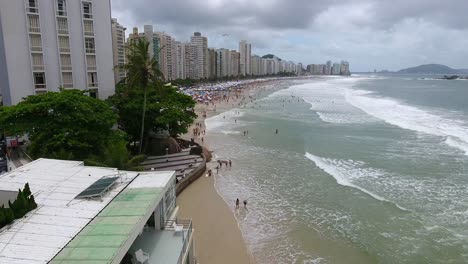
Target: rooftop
(87, 229)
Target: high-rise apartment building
(47, 44)
(328, 68)
(202, 65)
(245, 50)
(235, 60)
(118, 48)
(167, 57)
(336, 69)
(180, 59)
(190, 61)
(212, 62)
(223, 62)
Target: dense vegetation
(66, 124)
(71, 125)
(20, 207)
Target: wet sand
(218, 238)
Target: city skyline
(369, 34)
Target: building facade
(118, 48)
(47, 44)
(245, 50)
(202, 65)
(235, 60)
(212, 63)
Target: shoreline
(218, 236)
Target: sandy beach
(218, 238)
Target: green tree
(2, 217)
(27, 190)
(116, 155)
(61, 124)
(142, 71)
(9, 215)
(167, 109)
(32, 203)
(21, 205)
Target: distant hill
(270, 56)
(433, 69)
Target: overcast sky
(370, 34)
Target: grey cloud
(368, 33)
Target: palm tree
(142, 71)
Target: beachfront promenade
(188, 167)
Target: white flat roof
(42, 233)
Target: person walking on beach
(230, 163)
(245, 204)
(217, 170)
(237, 203)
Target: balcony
(61, 13)
(90, 50)
(34, 30)
(36, 48)
(64, 50)
(66, 67)
(89, 33)
(32, 10)
(62, 31)
(39, 86)
(92, 85)
(165, 246)
(38, 67)
(68, 85)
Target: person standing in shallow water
(237, 203)
(245, 204)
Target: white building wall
(18, 65)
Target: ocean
(364, 169)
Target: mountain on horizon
(270, 56)
(433, 69)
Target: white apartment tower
(180, 59)
(245, 50)
(47, 44)
(202, 57)
(118, 47)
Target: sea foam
(410, 117)
(346, 171)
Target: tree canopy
(167, 109)
(66, 124)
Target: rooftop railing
(187, 233)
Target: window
(65, 61)
(91, 62)
(61, 8)
(64, 44)
(62, 24)
(88, 28)
(67, 79)
(39, 80)
(33, 21)
(36, 42)
(87, 10)
(169, 200)
(37, 62)
(32, 6)
(92, 80)
(93, 93)
(89, 45)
